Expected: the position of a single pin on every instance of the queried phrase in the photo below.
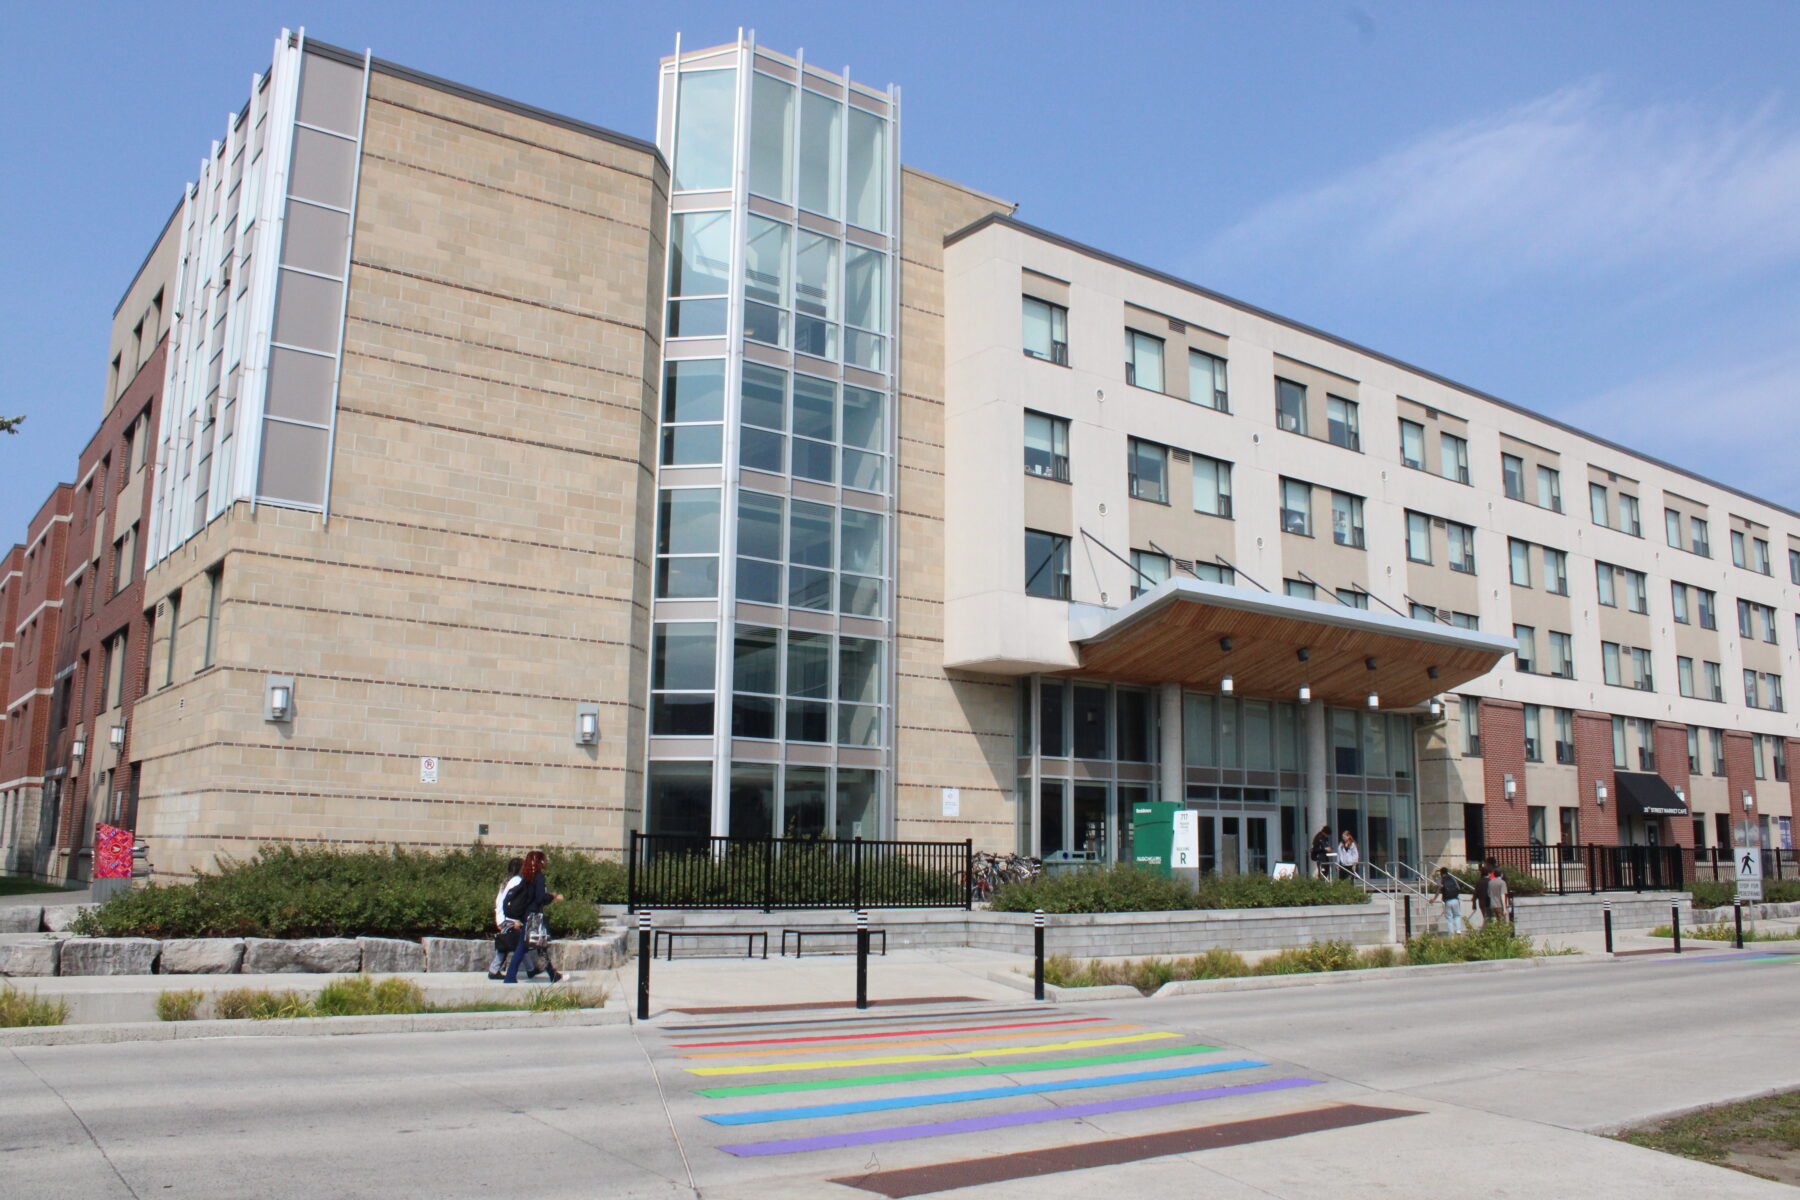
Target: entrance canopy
(1647, 795)
(1194, 633)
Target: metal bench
(800, 932)
(749, 936)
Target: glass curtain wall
(1086, 755)
(771, 663)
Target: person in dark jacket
(537, 896)
(1321, 850)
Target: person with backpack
(506, 930)
(1321, 853)
(1449, 890)
(523, 903)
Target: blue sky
(1590, 209)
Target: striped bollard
(1037, 930)
(1675, 924)
(1608, 914)
(862, 958)
(643, 1007)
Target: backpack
(516, 902)
(1451, 888)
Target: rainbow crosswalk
(1047, 1066)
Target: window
(1619, 749)
(693, 409)
(1470, 707)
(1556, 572)
(1678, 603)
(1143, 360)
(1713, 675)
(1642, 679)
(1046, 331)
(1709, 618)
(1672, 520)
(1212, 486)
(1214, 573)
(687, 543)
(1290, 405)
(1611, 664)
(1759, 556)
(1637, 595)
(1684, 675)
(1296, 507)
(1347, 519)
(1604, 577)
(1739, 555)
(1412, 444)
(1715, 739)
(1565, 734)
(1148, 569)
(1148, 464)
(1418, 537)
(1772, 693)
(1453, 462)
(1549, 486)
(1460, 542)
(1206, 381)
(1697, 529)
(1630, 519)
(1599, 506)
(174, 632)
(1794, 565)
(681, 679)
(1341, 425)
(1746, 624)
(1046, 446)
(1693, 756)
(1353, 597)
(1750, 689)
(1422, 612)
(1646, 740)
(1512, 476)
(1534, 733)
(215, 587)
(1562, 655)
(1299, 589)
(1046, 565)
(1526, 636)
(1520, 555)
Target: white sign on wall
(428, 770)
(1747, 862)
(952, 802)
(1184, 846)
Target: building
(31, 600)
(526, 480)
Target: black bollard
(1608, 915)
(1737, 923)
(1037, 922)
(1675, 924)
(862, 958)
(644, 966)
(1407, 900)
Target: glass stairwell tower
(771, 672)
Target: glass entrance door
(1237, 841)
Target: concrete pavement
(1504, 1071)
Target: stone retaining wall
(1538, 916)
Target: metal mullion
(891, 476)
(337, 376)
(351, 211)
(299, 124)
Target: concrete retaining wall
(1539, 916)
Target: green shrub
(1319, 956)
(179, 1006)
(241, 1004)
(1496, 939)
(1709, 893)
(1727, 932)
(323, 891)
(28, 1008)
(1128, 889)
(556, 999)
(1149, 974)
(361, 996)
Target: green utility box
(1152, 834)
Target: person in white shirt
(1349, 857)
(497, 964)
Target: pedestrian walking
(1449, 892)
(506, 930)
(1483, 904)
(1321, 851)
(1499, 896)
(1349, 856)
(526, 901)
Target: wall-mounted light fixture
(1749, 800)
(1681, 795)
(1374, 700)
(1305, 694)
(115, 737)
(1510, 786)
(1599, 792)
(1225, 686)
(1436, 707)
(587, 724)
(278, 699)
(79, 749)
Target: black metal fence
(1568, 869)
(678, 871)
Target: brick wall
(1503, 754)
(1594, 768)
(1740, 773)
(1672, 765)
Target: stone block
(457, 954)
(387, 956)
(30, 958)
(21, 918)
(108, 956)
(58, 917)
(588, 954)
(280, 956)
(202, 956)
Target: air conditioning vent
(1184, 564)
(1182, 455)
(1437, 522)
(1177, 326)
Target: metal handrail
(1399, 884)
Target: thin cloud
(1571, 183)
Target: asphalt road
(1498, 1075)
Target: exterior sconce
(1435, 708)
(587, 724)
(79, 749)
(1749, 800)
(116, 737)
(1510, 786)
(278, 699)
(1681, 795)
(1225, 686)
(1305, 694)
(1599, 792)
(1374, 700)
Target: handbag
(537, 930)
(507, 940)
